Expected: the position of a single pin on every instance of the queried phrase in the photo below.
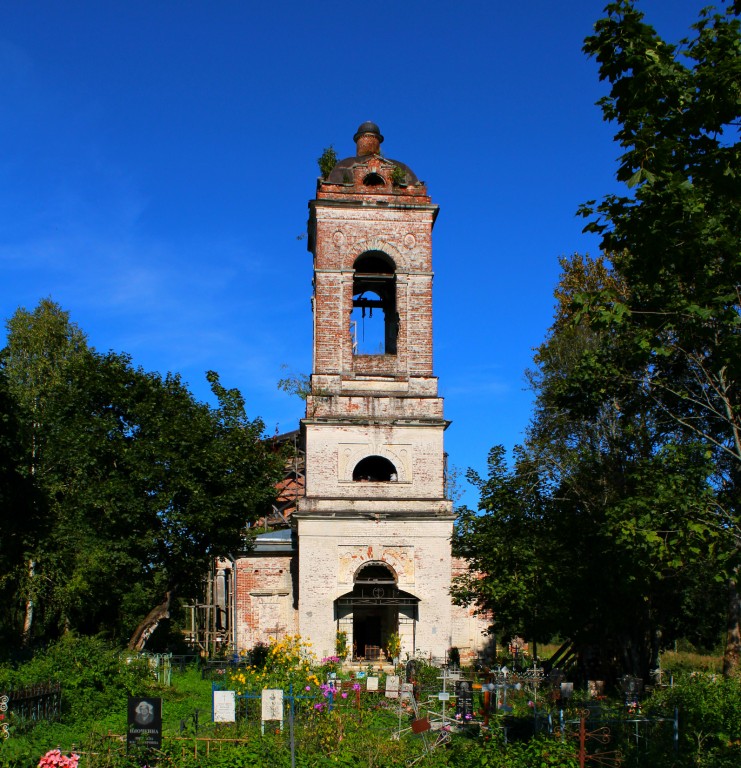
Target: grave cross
(292, 698)
(275, 631)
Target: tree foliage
(675, 241)
(619, 520)
(18, 501)
(604, 527)
(140, 484)
(327, 161)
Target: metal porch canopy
(377, 596)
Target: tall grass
(690, 661)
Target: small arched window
(375, 573)
(375, 469)
(374, 180)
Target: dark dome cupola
(368, 172)
(368, 139)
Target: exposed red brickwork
(470, 624)
(368, 145)
(266, 586)
(351, 216)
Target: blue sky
(157, 159)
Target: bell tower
(374, 527)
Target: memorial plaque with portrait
(144, 722)
(463, 699)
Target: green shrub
(538, 752)
(709, 718)
(93, 675)
(17, 752)
(327, 161)
(427, 675)
(258, 655)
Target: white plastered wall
(419, 549)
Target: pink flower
(308, 687)
(54, 757)
(356, 687)
(344, 694)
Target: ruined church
(366, 548)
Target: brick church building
(367, 548)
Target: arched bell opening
(375, 469)
(374, 290)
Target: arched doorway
(374, 610)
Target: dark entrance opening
(372, 627)
(375, 604)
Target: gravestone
(272, 704)
(225, 710)
(392, 686)
(464, 699)
(144, 722)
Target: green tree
(603, 530)
(19, 510)
(327, 161)
(513, 550)
(41, 346)
(142, 485)
(634, 490)
(673, 239)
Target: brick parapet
(375, 406)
